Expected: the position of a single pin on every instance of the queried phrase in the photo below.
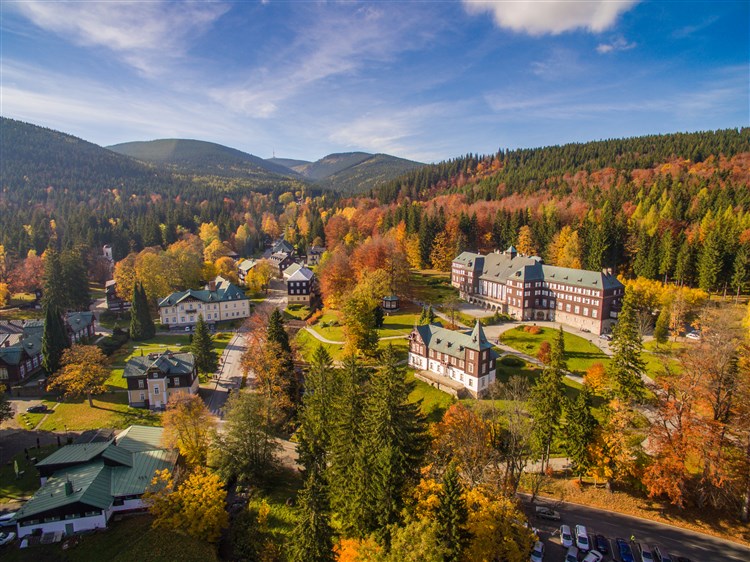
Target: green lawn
(296, 312)
(431, 286)
(110, 410)
(396, 324)
(580, 353)
(434, 402)
(654, 357)
(126, 540)
(97, 291)
(307, 344)
(14, 489)
(330, 326)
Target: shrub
(314, 318)
(110, 344)
(544, 351)
(533, 330)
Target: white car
(537, 555)
(572, 555)
(693, 335)
(7, 519)
(566, 537)
(582, 538)
(6, 538)
(594, 556)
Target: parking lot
(677, 541)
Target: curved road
(678, 541)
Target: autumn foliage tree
(196, 506)
(189, 426)
(83, 372)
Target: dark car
(602, 544)
(626, 553)
(683, 559)
(547, 513)
(38, 409)
(662, 555)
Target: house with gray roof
(83, 485)
(527, 289)
(243, 270)
(219, 301)
(152, 379)
(300, 285)
(457, 360)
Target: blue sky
(423, 80)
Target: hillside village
(385, 354)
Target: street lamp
(66, 433)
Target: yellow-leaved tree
(83, 372)
(195, 506)
(189, 426)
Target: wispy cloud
(145, 35)
(331, 44)
(690, 30)
(617, 44)
(552, 16)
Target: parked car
(605, 337)
(7, 519)
(547, 513)
(626, 553)
(594, 556)
(38, 409)
(694, 335)
(537, 555)
(602, 544)
(662, 555)
(647, 554)
(572, 555)
(582, 538)
(6, 538)
(566, 537)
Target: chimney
(68, 487)
(212, 286)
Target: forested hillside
(201, 158)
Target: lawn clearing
(110, 410)
(126, 540)
(12, 489)
(579, 352)
(431, 286)
(307, 344)
(296, 312)
(434, 402)
(654, 357)
(155, 345)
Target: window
(141, 384)
(585, 311)
(595, 313)
(471, 354)
(567, 308)
(143, 397)
(471, 367)
(578, 310)
(156, 389)
(3, 373)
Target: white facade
(186, 312)
(68, 526)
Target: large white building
(466, 358)
(220, 301)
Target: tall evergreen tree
(54, 338)
(202, 347)
(276, 333)
(626, 366)
(54, 281)
(347, 453)
(137, 331)
(75, 279)
(395, 442)
(579, 431)
(547, 399)
(312, 537)
(661, 330)
(314, 433)
(147, 322)
(710, 261)
(452, 515)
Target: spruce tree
(202, 347)
(147, 322)
(54, 339)
(579, 431)
(395, 442)
(54, 282)
(661, 330)
(347, 472)
(710, 261)
(547, 399)
(312, 537)
(314, 439)
(452, 515)
(136, 315)
(626, 367)
(75, 279)
(378, 316)
(276, 333)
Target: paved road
(679, 542)
(229, 376)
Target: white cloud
(618, 44)
(551, 16)
(328, 44)
(144, 34)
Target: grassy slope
(12, 488)
(110, 410)
(580, 353)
